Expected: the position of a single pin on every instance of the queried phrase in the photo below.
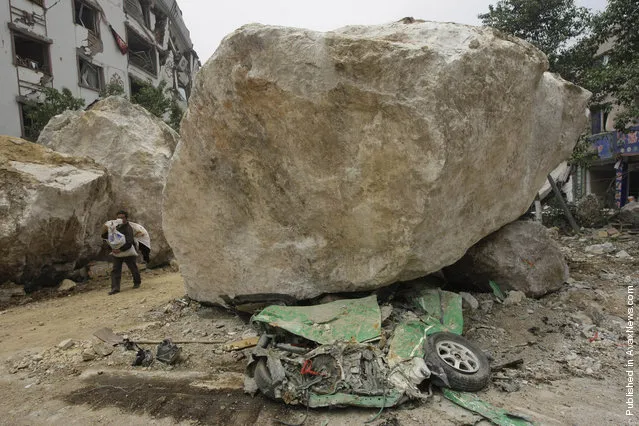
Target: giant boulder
(51, 208)
(520, 256)
(327, 162)
(134, 146)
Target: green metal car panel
(496, 415)
(349, 320)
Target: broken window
(135, 86)
(140, 10)
(142, 54)
(85, 15)
(28, 130)
(91, 76)
(31, 53)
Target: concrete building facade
(83, 45)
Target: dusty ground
(571, 343)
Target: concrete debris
(103, 349)
(622, 255)
(600, 248)
(88, 355)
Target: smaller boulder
(629, 213)
(66, 285)
(514, 297)
(469, 300)
(520, 256)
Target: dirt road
(43, 384)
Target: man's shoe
(113, 292)
(136, 285)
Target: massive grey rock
(51, 208)
(134, 146)
(521, 256)
(629, 213)
(324, 162)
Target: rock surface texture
(521, 256)
(134, 146)
(51, 208)
(328, 162)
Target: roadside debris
(496, 415)
(168, 352)
(338, 354)
(497, 291)
(241, 344)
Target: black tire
(263, 379)
(465, 365)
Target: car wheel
(465, 365)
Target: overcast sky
(210, 21)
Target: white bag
(140, 235)
(116, 239)
(130, 252)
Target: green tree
(113, 88)
(153, 99)
(550, 25)
(614, 77)
(39, 113)
(158, 102)
(176, 116)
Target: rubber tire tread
(467, 382)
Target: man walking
(130, 260)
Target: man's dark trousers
(116, 273)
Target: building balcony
(610, 144)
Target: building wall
(70, 41)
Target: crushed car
(352, 353)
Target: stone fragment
(88, 355)
(622, 255)
(66, 344)
(102, 349)
(514, 297)
(66, 285)
(600, 248)
(469, 300)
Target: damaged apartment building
(83, 45)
